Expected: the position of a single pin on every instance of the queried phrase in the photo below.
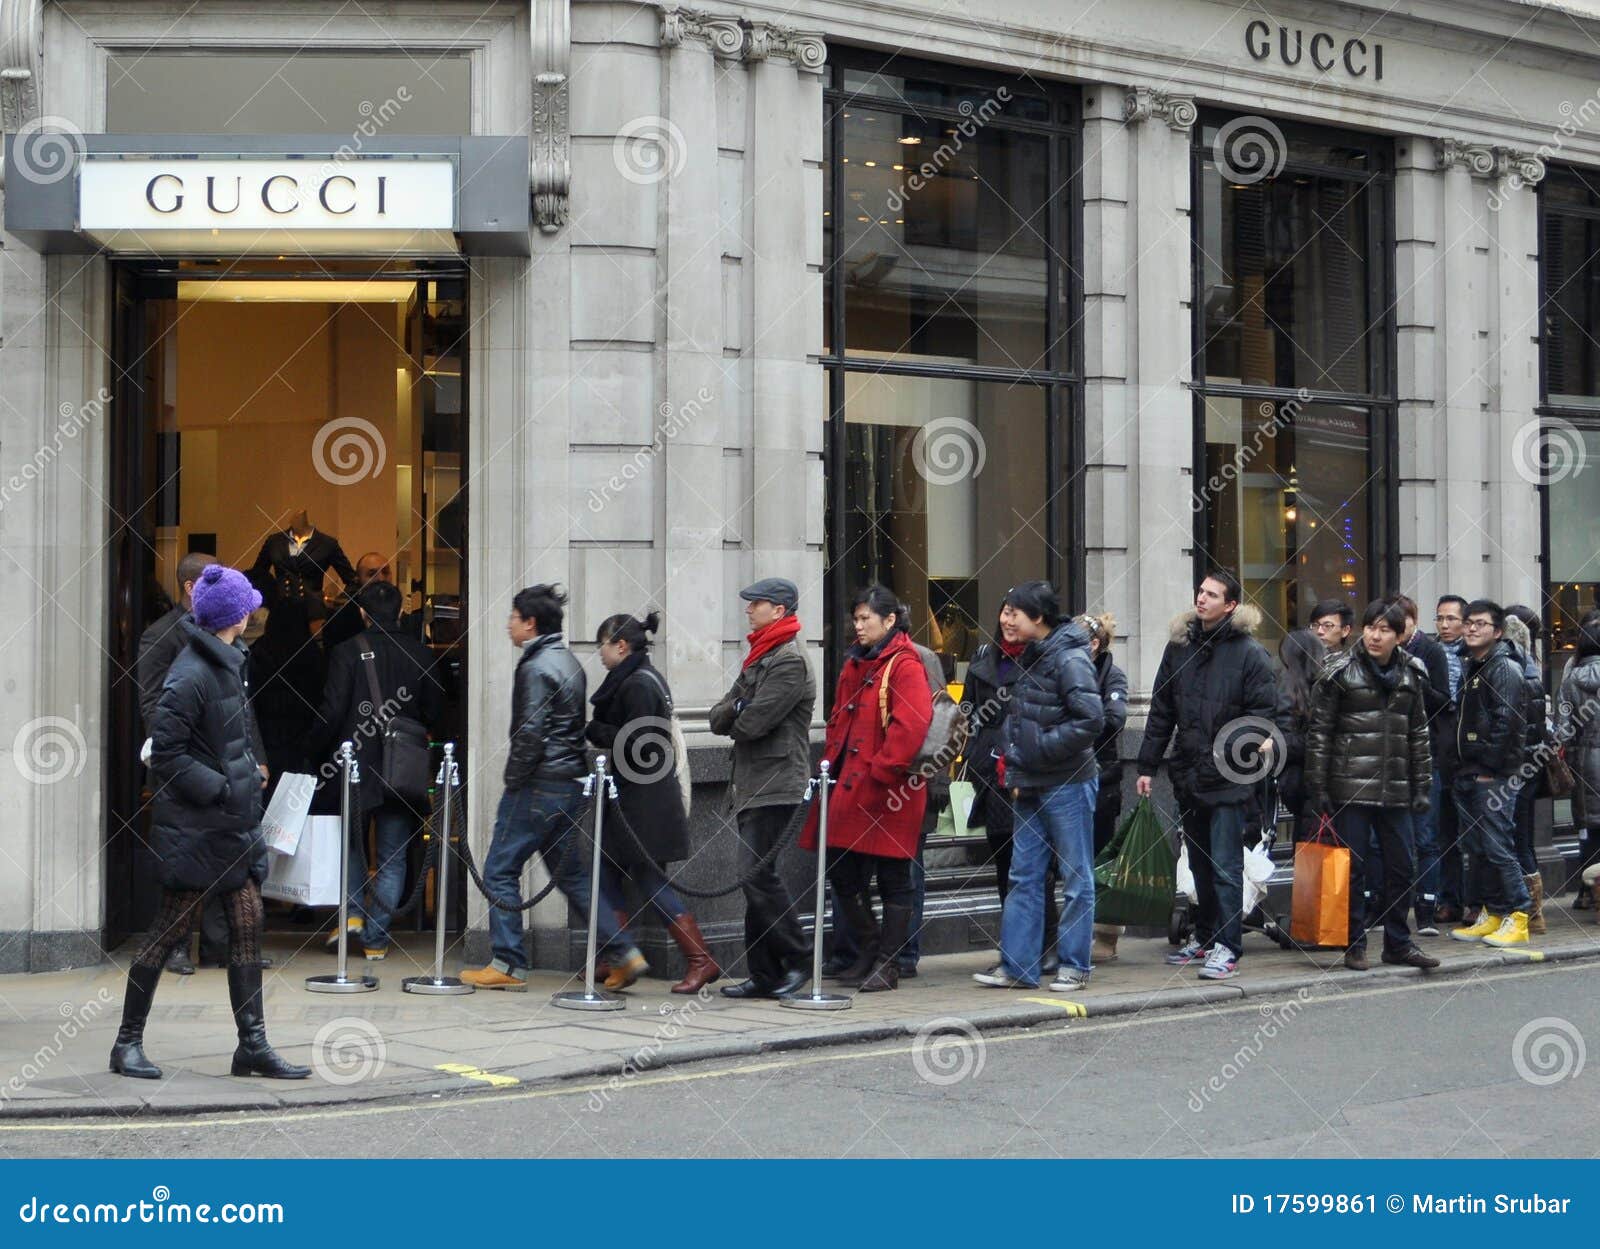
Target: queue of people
(1422, 753)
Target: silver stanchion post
(439, 984)
(817, 999)
(341, 982)
(598, 786)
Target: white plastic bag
(285, 816)
(309, 876)
(1185, 876)
(1258, 871)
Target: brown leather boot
(702, 969)
(1105, 943)
(864, 925)
(885, 973)
(1536, 910)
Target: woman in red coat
(881, 712)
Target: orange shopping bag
(1321, 911)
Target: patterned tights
(180, 911)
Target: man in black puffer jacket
(1368, 765)
(542, 803)
(1214, 693)
(1050, 767)
(1490, 738)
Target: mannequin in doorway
(294, 562)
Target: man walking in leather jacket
(1490, 729)
(543, 800)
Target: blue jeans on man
(1487, 810)
(1390, 827)
(1425, 839)
(1051, 824)
(373, 901)
(541, 817)
(1215, 838)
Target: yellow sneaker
(493, 978)
(355, 927)
(1486, 926)
(1513, 931)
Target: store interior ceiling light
(301, 291)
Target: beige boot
(1536, 910)
(1105, 943)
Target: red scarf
(1011, 650)
(770, 637)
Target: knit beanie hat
(223, 597)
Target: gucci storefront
(653, 300)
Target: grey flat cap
(774, 590)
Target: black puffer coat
(633, 724)
(1367, 743)
(1206, 682)
(547, 714)
(1491, 730)
(1056, 714)
(986, 696)
(207, 806)
(1113, 682)
(1578, 732)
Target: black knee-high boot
(127, 1052)
(255, 1057)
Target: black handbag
(406, 768)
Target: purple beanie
(223, 597)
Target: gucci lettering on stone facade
(1296, 46)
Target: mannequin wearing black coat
(281, 574)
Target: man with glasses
(1489, 742)
(1449, 616)
(1331, 620)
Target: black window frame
(1381, 397)
(1062, 380)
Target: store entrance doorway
(257, 398)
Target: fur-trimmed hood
(1246, 620)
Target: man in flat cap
(768, 715)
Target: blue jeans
(1054, 824)
(1215, 838)
(1488, 835)
(1395, 864)
(1425, 837)
(651, 882)
(392, 832)
(543, 818)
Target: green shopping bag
(953, 817)
(1136, 875)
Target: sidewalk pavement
(56, 1029)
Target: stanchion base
(816, 1001)
(444, 986)
(345, 984)
(577, 999)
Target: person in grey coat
(768, 715)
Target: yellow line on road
(1076, 1009)
(474, 1073)
(616, 1083)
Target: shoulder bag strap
(883, 691)
(369, 662)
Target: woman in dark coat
(882, 708)
(1113, 683)
(1577, 732)
(205, 827)
(287, 674)
(632, 723)
(1302, 654)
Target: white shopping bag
(1258, 871)
(309, 876)
(286, 813)
(1185, 876)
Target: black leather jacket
(1368, 744)
(1492, 727)
(548, 703)
(1056, 713)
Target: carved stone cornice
(767, 42)
(1147, 104)
(550, 174)
(725, 36)
(21, 55)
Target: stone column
(1515, 472)
(1418, 205)
(1158, 414)
(785, 90)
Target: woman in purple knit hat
(206, 825)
